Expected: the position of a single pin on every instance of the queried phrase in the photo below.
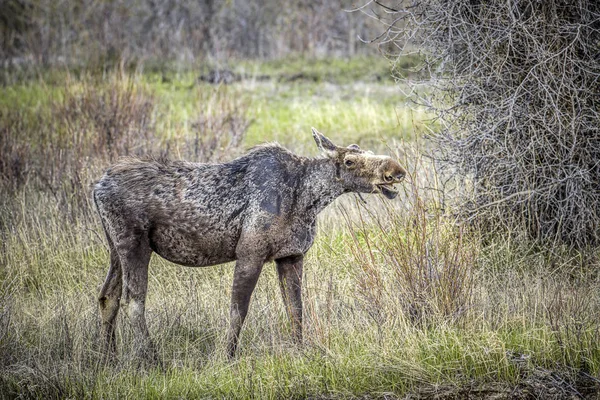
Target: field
(401, 300)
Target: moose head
(361, 171)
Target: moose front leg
(289, 270)
(244, 280)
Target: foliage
(416, 255)
(525, 327)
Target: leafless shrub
(515, 88)
(60, 148)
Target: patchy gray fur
(257, 208)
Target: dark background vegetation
(179, 32)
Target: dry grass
(399, 298)
(61, 147)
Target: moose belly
(194, 249)
(299, 239)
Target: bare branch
(514, 86)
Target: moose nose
(396, 176)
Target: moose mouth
(388, 190)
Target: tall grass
(399, 299)
(362, 337)
(420, 258)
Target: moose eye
(349, 163)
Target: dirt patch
(541, 384)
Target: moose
(257, 208)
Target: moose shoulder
(257, 208)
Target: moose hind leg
(109, 298)
(244, 281)
(289, 270)
(134, 264)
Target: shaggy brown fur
(257, 208)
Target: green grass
(340, 71)
(285, 112)
(355, 109)
(384, 315)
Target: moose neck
(320, 186)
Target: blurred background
(88, 33)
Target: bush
(515, 88)
(60, 146)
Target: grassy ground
(399, 299)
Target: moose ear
(324, 144)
